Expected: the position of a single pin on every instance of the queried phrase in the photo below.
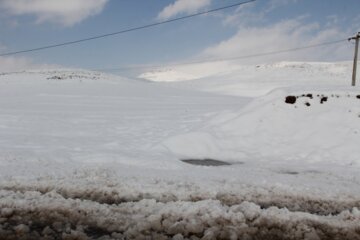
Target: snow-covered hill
(90, 155)
(253, 80)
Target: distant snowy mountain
(55, 74)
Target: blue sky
(261, 26)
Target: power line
(126, 30)
(227, 59)
(222, 59)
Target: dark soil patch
(289, 172)
(291, 99)
(55, 78)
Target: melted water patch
(206, 162)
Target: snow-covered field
(85, 155)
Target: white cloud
(64, 12)
(246, 15)
(182, 6)
(256, 35)
(283, 35)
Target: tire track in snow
(265, 198)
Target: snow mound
(321, 126)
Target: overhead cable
(125, 30)
(225, 59)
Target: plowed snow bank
(32, 215)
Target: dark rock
(290, 99)
(308, 104)
(358, 96)
(309, 95)
(323, 99)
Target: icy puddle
(206, 162)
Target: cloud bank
(64, 12)
(256, 35)
(11, 64)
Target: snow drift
(271, 130)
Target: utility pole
(356, 38)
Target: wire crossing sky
(126, 30)
(250, 32)
(255, 55)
